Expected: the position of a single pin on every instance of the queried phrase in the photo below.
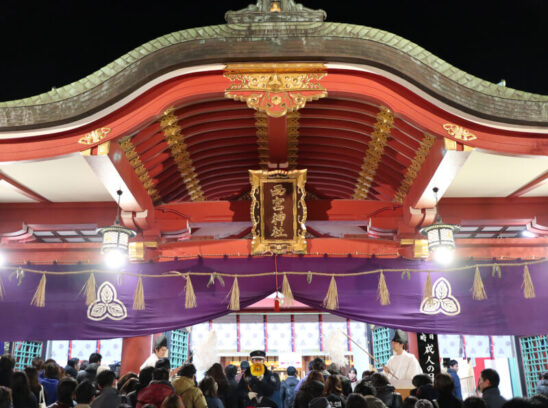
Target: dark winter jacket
(69, 370)
(542, 387)
(449, 401)
(492, 397)
(155, 393)
(336, 401)
(288, 391)
(108, 398)
(457, 391)
(232, 394)
(25, 401)
(263, 387)
(389, 396)
(307, 392)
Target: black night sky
(52, 43)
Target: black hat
(400, 337)
(257, 354)
(160, 342)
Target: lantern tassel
(89, 290)
(382, 291)
(234, 303)
(527, 285)
(286, 292)
(139, 298)
(478, 291)
(428, 295)
(190, 296)
(331, 300)
(39, 298)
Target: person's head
(188, 370)
(444, 383)
(488, 378)
(517, 403)
(125, 378)
(356, 401)
(332, 385)
(65, 390)
(315, 375)
(333, 369)
(474, 402)
(51, 370)
(244, 365)
(129, 386)
(454, 365)
(379, 380)
(208, 387)
(318, 364)
(163, 363)
(399, 341)
(160, 346)
(32, 375)
(38, 363)
(291, 371)
(95, 358)
(424, 403)
(84, 365)
(352, 374)
(217, 373)
(84, 392)
(365, 388)
(367, 374)
(19, 383)
(410, 402)
(7, 363)
(257, 357)
(145, 376)
(231, 370)
(539, 400)
(421, 379)
(74, 363)
(160, 374)
(5, 397)
(545, 375)
(172, 401)
(105, 379)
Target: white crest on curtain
(107, 305)
(442, 301)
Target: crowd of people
(90, 384)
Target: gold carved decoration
(261, 123)
(458, 132)
(95, 136)
(292, 139)
(375, 150)
(180, 154)
(275, 89)
(414, 167)
(278, 211)
(140, 169)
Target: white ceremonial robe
(404, 366)
(150, 361)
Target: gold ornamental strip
(180, 154)
(375, 150)
(292, 139)
(414, 168)
(140, 169)
(261, 123)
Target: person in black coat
(21, 394)
(445, 386)
(257, 383)
(232, 394)
(72, 367)
(385, 391)
(312, 388)
(333, 392)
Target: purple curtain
(65, 315)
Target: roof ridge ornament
(274, 11)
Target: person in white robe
(402, 366)
(160, 351)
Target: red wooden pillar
(135, 350)
(413, 344)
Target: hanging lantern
(441, 242)
(116, 241)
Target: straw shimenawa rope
(382, 291)
(39, 298)
(331, 300)
(286, 292)
(139, 298)
(428, 295)
(190, 296)
(527, 285)
(234, 293)
(478, 291)
(89, 290)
